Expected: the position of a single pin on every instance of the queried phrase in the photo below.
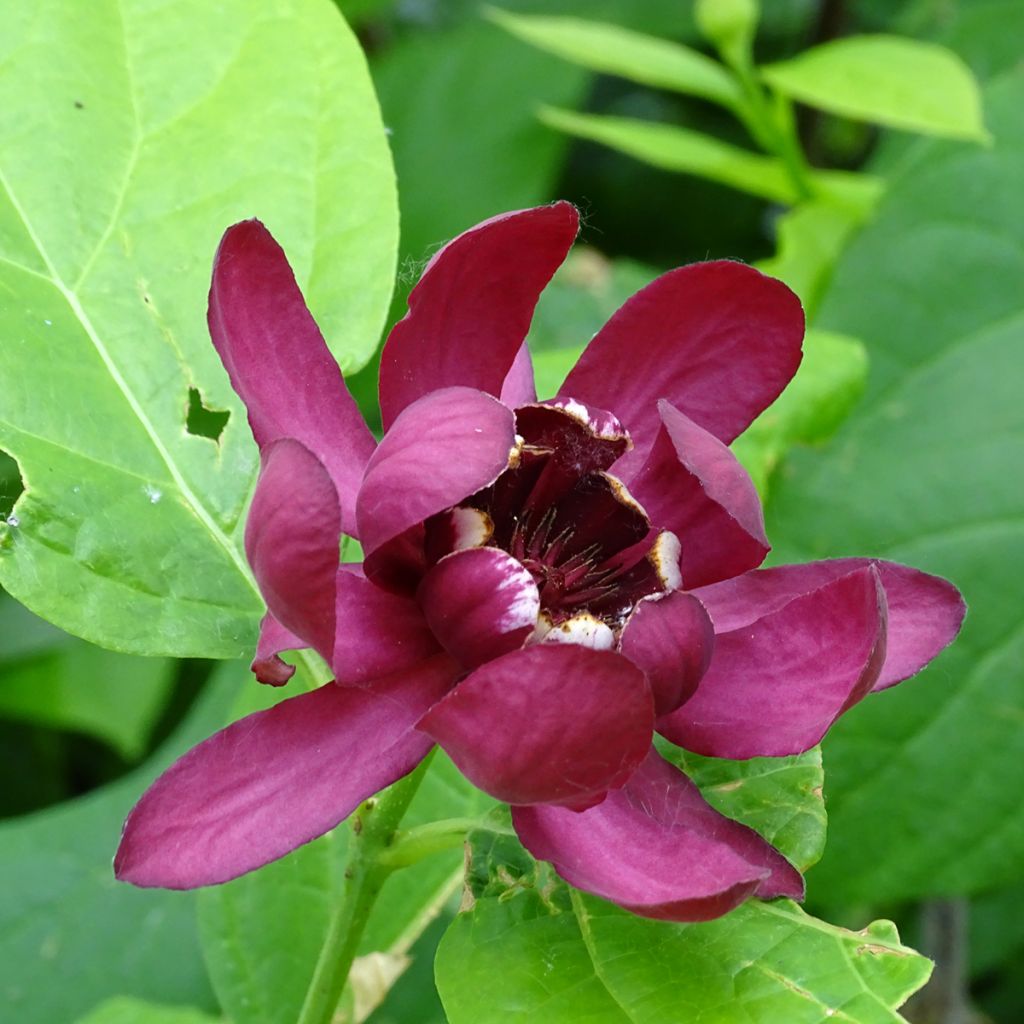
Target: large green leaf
(70, 935)
(534, 955)
(125, 1010)
(129, 140)
(923, 779)
(261, 973)
(901, 83)
(615, 50)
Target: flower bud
(729, 24)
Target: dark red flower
(545, 584)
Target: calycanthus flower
(545, 583)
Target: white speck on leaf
(153, 493)
(13, 520)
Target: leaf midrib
(73, 301)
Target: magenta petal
(480, 603)
(718, 340)
(378, 633)
(693, 485)
(776, 685)
(548, 724)
(925, 612)
(519, 388)
(658, 849)
(274, 638)
(278, 361)
(275, 780)
(442, 448)
(291, 540)
(671, 639)
(472, 307)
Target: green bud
(729, 24)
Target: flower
(545, 584)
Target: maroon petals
(472, 307)
(658, 849)
(519, 388)
(549, 724)
(671, 638)
(275, 780)
(274, 638)
(925, 612)
(693, 485)
(480, 603)
(718, 340)
(442, 448)
(776, 685)
(278, 362)
(378, 633)
(291, 540)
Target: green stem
(373, 828)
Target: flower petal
(442, 448)
(548, 724)
(718, 340)
(471, 310)
(776, 685)
(480, 603)
(925, 612)
(378, 633)
(274, 638)
(275, 780)
(291, 540)
(278, 362)
(693, 485)
(658, 849)
(519, 387)
(671, 639)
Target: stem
(373, 829)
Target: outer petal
(274, 638)
(719, 340)
(671, 639)
(278, 361)
(472, 308)
(548, 724)
(775, 686)
(925, 612)
(656, 848)
(379, 633)
(275, 780)
(693, 485)
(291, 540)
(443, 448)
(480, 603)
(519, 388)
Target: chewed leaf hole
(202, 421)
(11, 488)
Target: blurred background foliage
(905, 438)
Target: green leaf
(64, 916)
(673, 148)
(922, 779)
(811, 237)
(613, 50)
(889, 80)
(125, 1010)
(779, 797)
(114, 697)
(823, 393)
(529, 957)
(261, 973)
(162, 126)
